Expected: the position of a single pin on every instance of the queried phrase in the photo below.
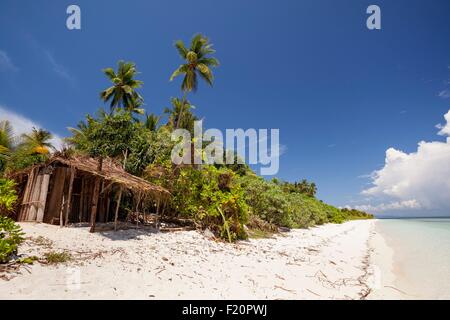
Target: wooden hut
(81, 189)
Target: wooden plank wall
(56, 194)
(35, 196)
(44, 197)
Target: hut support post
(137, 208)
(116, 215)
(61, 211)
(80, 210)
(95, 197)
(69, 195)
(158, 207)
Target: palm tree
(180, 107)
(6, 137)
(151, 121)
(313, 189)
(6, 142)
(122, 93)
(79, 139)
(37, 142)
(198, 63)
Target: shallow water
(421, 255)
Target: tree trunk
(183, 101)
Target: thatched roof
(110, 171)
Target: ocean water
(421, 260)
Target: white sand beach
(382, 279)
(410, 259)
(325, 262)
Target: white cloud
(5, 62)
(22, 125)
(395, 205)
(417, 180)
(445, 129)
(444, 94)
(58, 68)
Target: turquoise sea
(421, 261)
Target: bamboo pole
(108, 205)
(116, 215)
(95, 197)
(80, 210)
(137, 208)
(61, 211)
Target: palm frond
(181, 48)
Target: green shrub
(209, 195)
(352, 214)
(281, 204)
(11, 236)
(8, 195)
(22, 158)
(266, 200)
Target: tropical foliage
(197, 62)
(222, 198)
(24, 151)
(180, 115)
(211, 196)
(11, 236)
(107, 135)
(8, 195)
(6, 143)
(122, 93)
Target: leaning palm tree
(198, 63)
(37, 142)
(122, 93)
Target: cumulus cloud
(445, 129)
(22, 125)
(411, 181)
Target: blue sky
(340, 94)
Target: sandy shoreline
(382, 280)
(326, 262)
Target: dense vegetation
(223, 198)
